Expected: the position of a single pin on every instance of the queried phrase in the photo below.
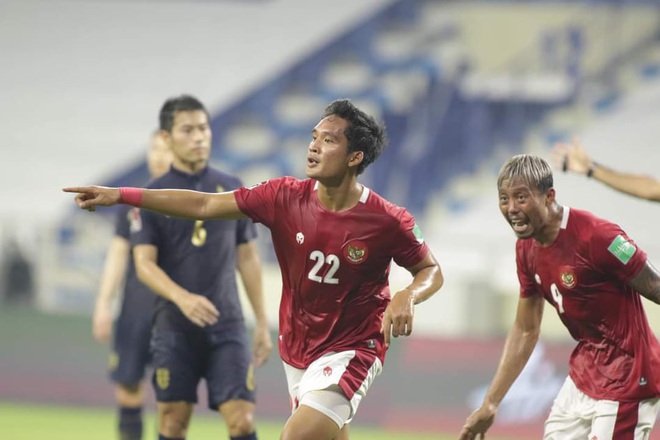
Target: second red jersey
(584, 274)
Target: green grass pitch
(32, 422)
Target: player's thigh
(349, 372)
(570, 415)
(624, 420)
(178, 366)
(330, 402)
(307, 423)
(131, 350)
(229, 372)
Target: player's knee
(129, 395)
(240, 422)
(174, 422)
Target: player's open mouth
(519, 225)
(312, 162)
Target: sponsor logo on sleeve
(622, 249)
(417, 232)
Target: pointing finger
(76, 189)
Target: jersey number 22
(320, 259)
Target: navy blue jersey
(200, 256)
(138, 300)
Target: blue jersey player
(198, 328)
(132, 328)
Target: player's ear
(355, 158)
(550, 196)
(166, 136)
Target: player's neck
(189, 167)
(342, 197)
(550, 231)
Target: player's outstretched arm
(518, 347)
(173, 202)
(398, 317)
(573, 157)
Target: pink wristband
(130, 196)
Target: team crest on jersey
(327, 371)
(567, 275)
(134, 220)
(162, 378)
(300, 238)
(356, 251)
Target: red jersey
(334, 265)
(584, 274)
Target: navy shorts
(223, 359)
(130, 356)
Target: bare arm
(195, 307)
(647, 283)
(573, 157)
(113, 274)
(638, 185)
(398, 317)
(249, 268)
(173, 202)
(518, 347)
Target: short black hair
(181, 103)
(363, 132)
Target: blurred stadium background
(461, 85)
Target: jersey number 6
(199, 234)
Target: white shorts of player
(318, 385)
(574, 415)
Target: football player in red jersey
(334, 239)
(594, 275)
